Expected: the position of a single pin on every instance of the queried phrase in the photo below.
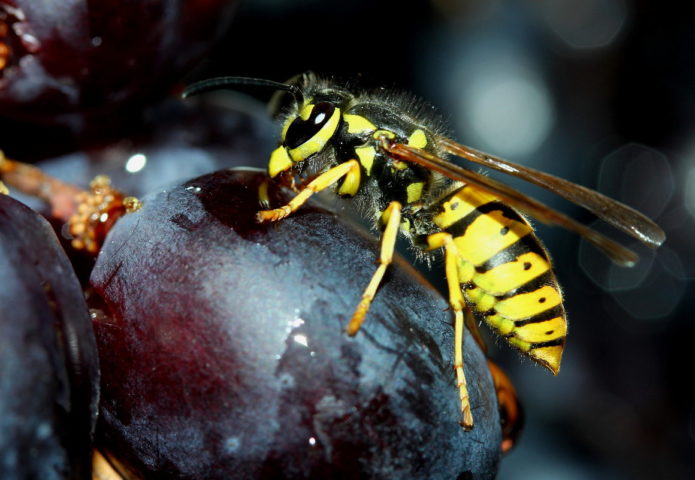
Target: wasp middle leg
(458, 305)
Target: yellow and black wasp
(390, 154)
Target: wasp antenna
(220, 83)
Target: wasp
(393, 157)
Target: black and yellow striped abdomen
(505, 274)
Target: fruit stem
(32, 181)
(89, 214)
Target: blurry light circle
(690, 192)
(606, 274)
(585, 24)
(651, 290)
(661, 292)
(638, 176)
(511, 113)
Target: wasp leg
(263, 197)
(392, 218)
(350, 170)
(458, 304)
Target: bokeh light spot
(639, 176)
(136, 163)
(513, 115)
(659, 294)
(585, 24)
(689, 199)
(502, 102)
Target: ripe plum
(224, 353)
(49, 376)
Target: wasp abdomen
(506, 274)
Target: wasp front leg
(392, 218)
(458, 304)
(350, 170)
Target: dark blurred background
(601, 92)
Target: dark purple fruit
(89, 55)
(80, 72)
(49, 374)
(224, 354)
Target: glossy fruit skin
(228, 357)
(49, 376)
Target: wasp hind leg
(350, 170)
(392, 219)
(458, 305)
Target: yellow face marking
(306, 110)
(304, 113)
(366, 157)
(358, 124)
(460, 205)
(417, 139)
(414, 191)
(488, 234)
(511, 275)
(316, 143)
(526, 305)
(279, 161)
(285, 127)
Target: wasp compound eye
(302, 130)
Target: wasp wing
(615, 213)
(528, 205)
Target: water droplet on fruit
(297, 322)
(29, 41)
(301, 339)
